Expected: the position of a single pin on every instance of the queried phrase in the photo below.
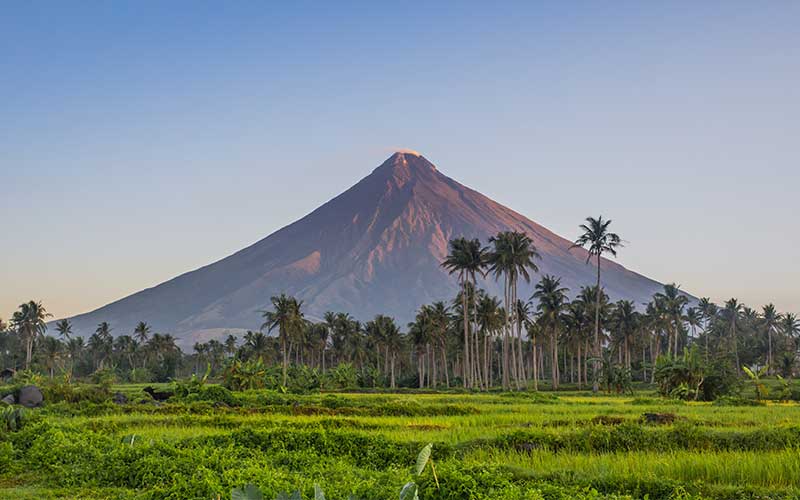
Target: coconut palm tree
(30, 323)
(771, 319)
(384, 328)
(64, 329)
(598, 240)
(491, 318)
(551, 298)
(790, 328)
(51, 353)
(672, 302)
(438, 320)
(142, 332)
(733, 309)
(287, 317)
(512, 257)
(75, 349)
(230, 345)
(126, 346)
(467, 259)
(625, 323)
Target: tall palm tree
(597, 239)
(29, 322)
(438, 319)
(512, 257)
(491, 318)
(384, 328)
(551, 298)
(64, 329)
(101, 343)
(75, 348)
(126, 346)
(771, 319)
(142, 332)
(467, 259)
(694, 318)
(672, 302)
(790, 327)
(230, 345)
(733, 309)
(625, 321)
(287, 317)
(51, 352)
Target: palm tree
(597, 239)
(551, 297)
(733, 309)
(142, 332)
(491, 317)
(30, 323)
(770, 320)
(438, 319)
(467, 258)
(126, 346)
(52, 349)
(101, 343)
(672, 302)
(230, 345)
(64, 329)
(75, 348)
(386, 331)
(790, 327)
(288, 319)
(512, 256)
(625, 321)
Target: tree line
(476, 340)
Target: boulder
(9, 399)
(30, 396)
(120, 398)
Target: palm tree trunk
(595, 364)
(769, 350)
(466, 330)
(285, 357)
(393, 356)
(444, 367)
(534, 364)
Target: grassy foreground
(486, 446)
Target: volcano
(376, 248)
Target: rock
(30, 396)
(120, 398)
(9, 400)
(157, 395)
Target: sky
(140, 140)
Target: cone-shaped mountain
(376, 248)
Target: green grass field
(486, 446)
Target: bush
(342, 377)
(737, 401)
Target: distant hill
(376, 248)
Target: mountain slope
(376, 248)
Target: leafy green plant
(759, 386)
(786, 390)
(11, 418)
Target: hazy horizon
(147, 141)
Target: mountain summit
(376, 248)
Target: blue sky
(140, 140)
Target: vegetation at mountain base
(563, 394)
